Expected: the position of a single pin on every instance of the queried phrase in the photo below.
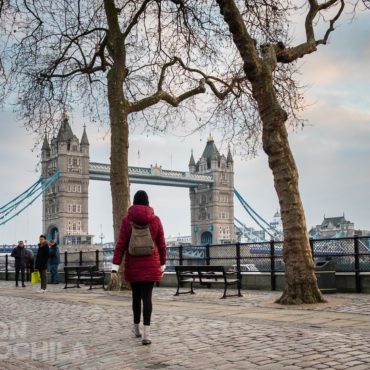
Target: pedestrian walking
(54, 261)
(141, 242)
(20, 261)
(42, 261)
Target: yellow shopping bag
(35, 277)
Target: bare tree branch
(288, 55)
(331, 27)
(136, 17)
(242, 38)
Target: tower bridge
(65, 203)
(64, 187)
(154, 175)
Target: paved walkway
(81, 329)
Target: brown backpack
(141, 242)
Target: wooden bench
(206, 275)
(87, 274)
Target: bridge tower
(212, 205)
(65, 204)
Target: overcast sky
(332, 152)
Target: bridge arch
(53, 233)
(206, 237)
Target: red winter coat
(141, 268)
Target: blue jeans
(54, 273)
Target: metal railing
(351, 255)
(100, 258)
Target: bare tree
(127, 56)
(260, 62)
(159, 54)
(270, 100)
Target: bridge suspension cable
(10, 204)
(13, 206)
(256, 217)
(28, 197)
(244, 230)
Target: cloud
(332, 157)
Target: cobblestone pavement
(81, 329)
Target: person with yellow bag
(42, 261)
(35, 277)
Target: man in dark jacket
(42, 261)
(20, 256)
(54, 260)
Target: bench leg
(225, 290)
(239, 287)
(65, 280)
(178, 290)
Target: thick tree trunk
(119, 152)
(119, 181)
(301, 284)
(118, 114)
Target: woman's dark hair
(141, 198)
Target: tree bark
(118, 114)
(301, 284)
(119, 151)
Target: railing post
(80, 261)
(97, 258)
(180, 255)
(272, 264)
(208, 255)
(312, 247)
(65, 258)
(357, 264)
(237, 250)
(6, 268)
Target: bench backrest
(182, 269)
(201, 272)
(216, 273)
(79, 269)
(204, 269)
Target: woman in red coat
(141, 271)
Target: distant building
(65, 204)
(176, 241)
(333, 227)
(250, 235)
(212, 206)
(276, 224)
(359, 232)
